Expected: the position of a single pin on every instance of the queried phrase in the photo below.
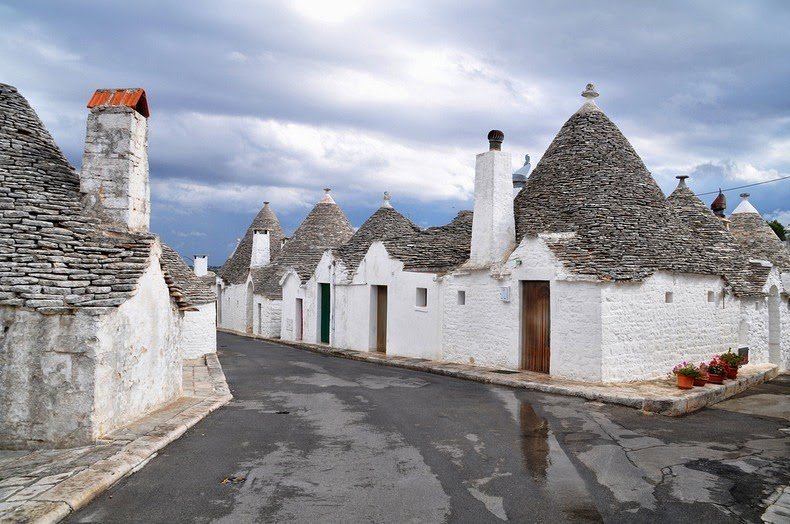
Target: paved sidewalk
(46, 485)
(653, 396)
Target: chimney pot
(495, 139)
(201, 265)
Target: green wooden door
(326, 310)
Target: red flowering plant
(717, 366)
(685, 368)
(732, 360)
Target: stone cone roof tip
(591, 182)
(383, 225)
(236, 268)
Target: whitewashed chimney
(261, 248)
(114, 176)
(201, 265)
(493, 225)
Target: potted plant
(685, 373)
(702, 378)
(732, 361)
(716, 369)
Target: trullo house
(92, 304)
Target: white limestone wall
(46, 378)
(234, 307)
(266, 317)
(784, 310)
(756, 324)
(138, 355)
(412, 331)
(200, 331)
(644, 336)
(486, 330)
(291, 291)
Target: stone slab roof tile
(326, 227)
(191, 287)
(383, 225)
(54, 258)
(758, 240)
(436, 249)
(711, 238)
(237, 267)
(592, 183)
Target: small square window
(422, 297)
(711, 296)
(669, 297)
(461, 298)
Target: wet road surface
(312, 438)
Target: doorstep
(660, 396)
(46, 485)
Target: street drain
(504, 371)
(282, 412)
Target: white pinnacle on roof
(386, 202)
(589, 95)
(327, 197)
(745, 206)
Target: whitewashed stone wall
(68, 379)
(234, 307)
(644, 336)
(47, 378)
(138, 369)
(267, 317)
(114, 174)
(200, 331)
(487, 330)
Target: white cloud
(288, 162)
(783, 216)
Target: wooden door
(536, 325)
(326, 311)
(381, 318)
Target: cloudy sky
(254, 100)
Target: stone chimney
(114, 176)
(201, 265)
(261, 248)
(493, 225)
(719, 205)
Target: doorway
(535, 325)
(381, 318)
(248, 326)
(324, 312)
(298, 322)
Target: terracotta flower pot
(715, 379)
(701, 381)
(732, 373)
(685, 382)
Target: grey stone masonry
(54, 257)
(237, 267)
(114, 176)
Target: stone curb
(77, 491)
(662, 405)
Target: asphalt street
(313, 438)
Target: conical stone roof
(383, 225)
(592, 184)
(235, 269)
(756, 237)
(325, 227)
(54, 257)
(193, 288)
(709, 237)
